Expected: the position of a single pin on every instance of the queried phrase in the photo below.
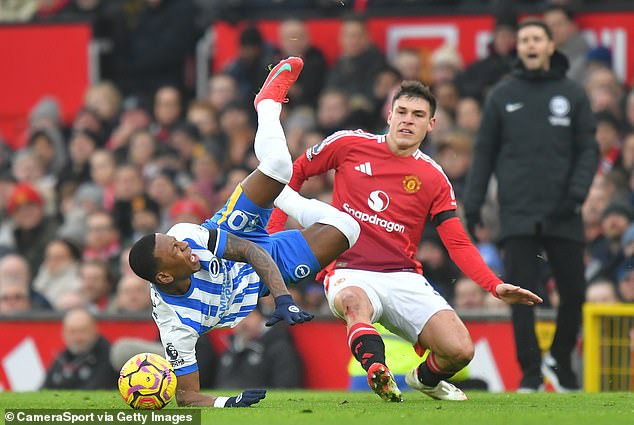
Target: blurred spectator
(260, 357)
(14, 271)
(468, 295)
(167, 112)
(447, 97)
(294, 40)
(626, 284)
(598, 57)
(333, 111)
(87, 199)
(567, 37)
(30, 229)
(84, 364)
(604, 91)
(59, 273)
(128, 187)
(608, 138)
(45, 114)
(164, 190)
(102, 173)
(105, 99)
(607, 250)
(601, 291)
(468, 115)
(82, 144)
(481, 75)
(28, 169)
(185, 140)
(134, 116)
(89, 120)
(222, 90)
(142, 149)
(48, 146)
(14, 299)
(102, 240)
(446, 64)
(359, 61)
(409, 64)
(96, 281)
(454, 153)
(146, 217)
(250, 67)
(204, 116)
(206, 171)
(132, 296)
(233, 177)
(157, 47)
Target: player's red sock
(366, 345)
(430, 374)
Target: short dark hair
(534, 22)
(413, 88)
(142, 259)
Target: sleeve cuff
(220, 402)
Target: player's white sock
(310, 211)
(270, 143)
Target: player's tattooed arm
(238, 249)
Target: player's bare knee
(460, 355)
(352, 298)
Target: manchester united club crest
(411, 184)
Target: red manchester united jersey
(390, 196)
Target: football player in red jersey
(390, 187)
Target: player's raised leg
(276, 166)
(451, 350)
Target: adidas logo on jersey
(365, 168)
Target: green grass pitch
(349, 408)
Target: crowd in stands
(141, 154)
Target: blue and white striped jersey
(221, 294)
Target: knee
(348, 297)
(457, 355)
(279, 167)
(461, 355)
(464, 354)
(353, 303)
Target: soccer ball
(147, 381)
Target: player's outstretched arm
(188, 394)
(238, 249)
(513, 294)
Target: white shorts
(403, 302)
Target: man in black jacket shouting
(537, 137)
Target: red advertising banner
(29, 348)
(38, 61)
(469, 34)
